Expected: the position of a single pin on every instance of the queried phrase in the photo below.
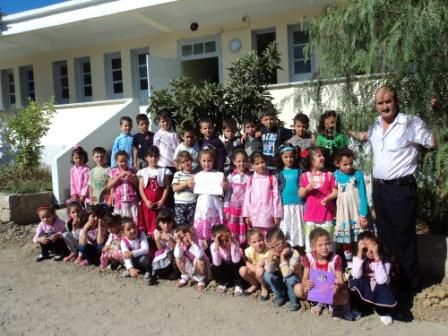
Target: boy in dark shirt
(272, 136)
(211, 141)
(142, 141)
(231, 142)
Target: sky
(14, 6)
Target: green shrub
(26, 129)
(18, 180)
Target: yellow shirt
(254, 257)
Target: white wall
(100, 130)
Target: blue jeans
(281, 286)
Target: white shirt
(395, 150)
(148, 172)
(139, 247)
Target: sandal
(250, 290)
(181, 282)
(221, 289)
(201, 287)
(317, 309)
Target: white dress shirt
(395, 151)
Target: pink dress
(233, 205)
(262, 201)
(112, 251)
(79, 181)
(314, 211)
(124, 195)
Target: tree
(401, 43)
(27, 127)
(243, 96)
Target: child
(123, 185)
(252, 143)
(330, 136)
(226, 260)
(166, 140)
(262, 206)
(272, 136)
(49, 235)
(74, 226)
(351, 204)
(141, 141)
(253, 271)
(234, 196)
(321, 258)
(79, 175)
(98, 177)
(153, 186)
(184, 198)
(288, 178)
(92, 237)
(231, 143)
(163, 265)
(135, 250)
(210, 141)
(123, 142)
(302, 139)
(190, 145)
(318, 189)
(190, 259)
(282, 269)
(371, 276)
(208, 211)
(111, 252)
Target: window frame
(57, 82)
(7, 94)
(80, 79)
(136, 78)
(299, 77)
(108, 70)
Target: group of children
(284, 194)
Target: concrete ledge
(433, 254)
(21, 208)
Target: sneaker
(293, 306)
(58, 258)
(41, 257)
(153, 281)
(147, 275)
(278, 302)
(125, 274)
(221, 289)
(386, 319)
(238, 291)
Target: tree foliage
(27, 127)
(243, 96)
(402, 43)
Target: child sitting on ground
(111, 252)
(49, 234)
(255, 254)
(321, 258)
(282, 269)
(135, 250)
(190, 258)
(163, 265)
(74, 226)
(226, 260)
(371, 276)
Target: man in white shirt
(395, 139)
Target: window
(61, 87)
(301, 65)
(114, 75)
(200, 59)
(83, 79)
(260, 41)
(8, 89)
(27, 84)
(140, 72)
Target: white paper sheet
(208, 183)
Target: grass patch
(20, 181)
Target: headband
(286, 148)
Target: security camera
(194, 26)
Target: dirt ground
(52, 298)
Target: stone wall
(21, 208)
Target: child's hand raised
(157, 235)
(362, 247)
(373, 248)
(363, 222)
